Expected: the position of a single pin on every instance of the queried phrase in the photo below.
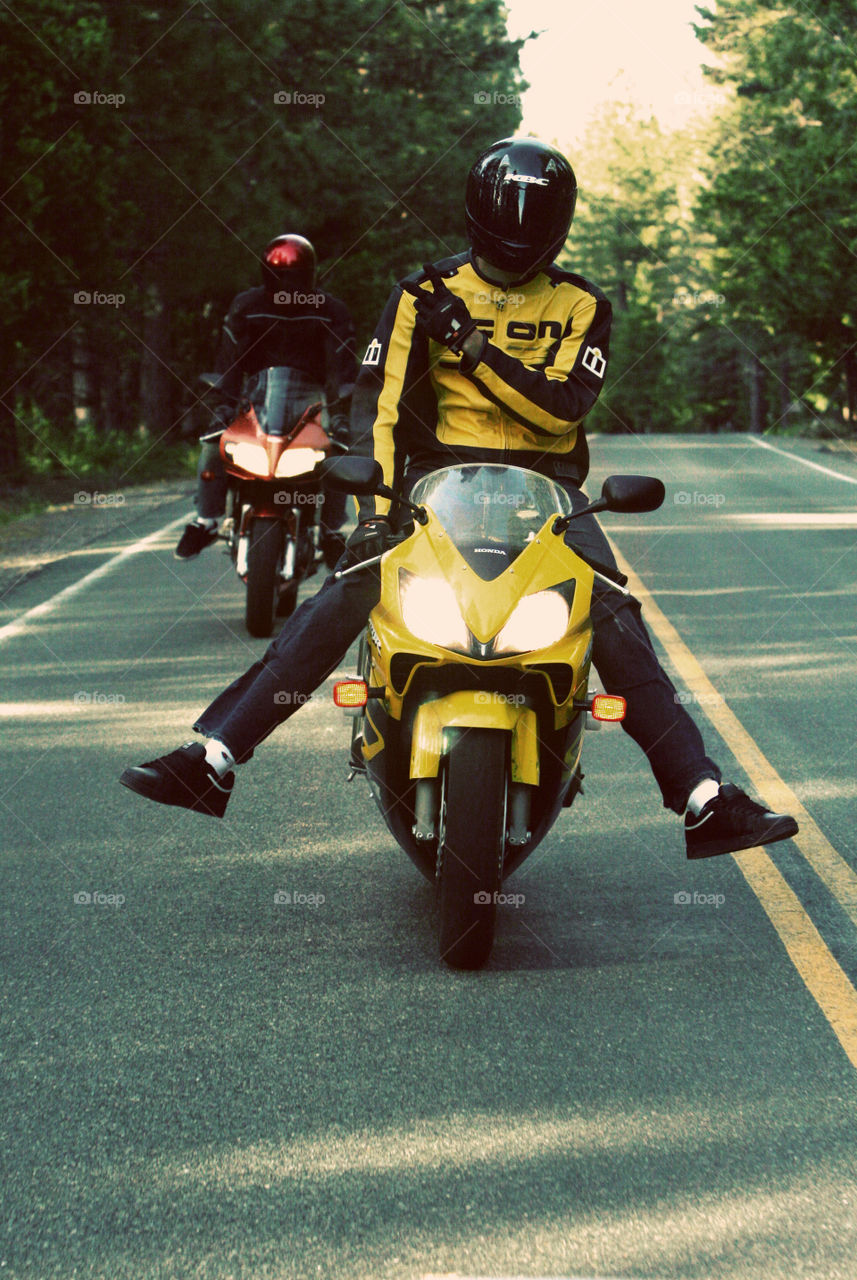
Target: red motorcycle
(271, 452)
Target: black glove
(221, 417)
(442, 315)
(371, 538)
(340, 429)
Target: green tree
(630, 239)
(208, 129)
(782, 198)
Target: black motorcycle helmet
(289, 266)
(519, 204)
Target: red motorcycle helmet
(519, 204)
(289, 266)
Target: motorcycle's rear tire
(473, 838)
(264, 558)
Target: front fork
(241, 535)
(464, 710)
(428, 803)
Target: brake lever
(366, 564)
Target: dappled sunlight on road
(484, 1168)
(815, 788)
(797, 519)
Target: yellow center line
(823, 976)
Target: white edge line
(816, 466)
(40, 610)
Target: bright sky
(590, 52)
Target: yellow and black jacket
(417, 405)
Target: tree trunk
(850, 363)
(155, 380)
(10, 454)
(83, 390)
(110, 401)
(784, 388)
(758, 411)
(10, 457)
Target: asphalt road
(201, 1081)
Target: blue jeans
(314, 641)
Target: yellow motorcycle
(473, 690)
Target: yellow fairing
(467, 709)
(485, 606)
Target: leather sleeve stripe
(525, 422)
(379, 393)
(549, 399)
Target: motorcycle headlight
(249, 457)
(430, 611)
(295, 462)
(538, 621)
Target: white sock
(701, 794)
(207, 522)
(219, 757)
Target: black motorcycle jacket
(541, 370)
(315, 335)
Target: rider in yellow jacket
(491, 356)
(541, 367)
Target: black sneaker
(195, 538)
(731, 821)
(183, 778)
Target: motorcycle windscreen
(281, 396)
(491, 512)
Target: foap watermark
(287, 298)
(298, 499)
(485, 698)
(495, 98)
(684, 898)
(697, 298)
(684, 697)
(686, 499)
(88, 298)
(497, 298)
(297, 98)
(485, 498)
(699, 99)
(483, 899)
(85, 98)
(85, 899)
(289, 898)
(83, 698)
(284, 698)
(93, 498)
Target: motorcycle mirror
(352, 475)
(632, 493)
(619, 493)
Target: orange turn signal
(608, 706)
(350, 693)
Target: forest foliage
(150, 151)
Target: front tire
(472, 845)
(264, 556)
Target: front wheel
(473, 832)
(264, 556)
